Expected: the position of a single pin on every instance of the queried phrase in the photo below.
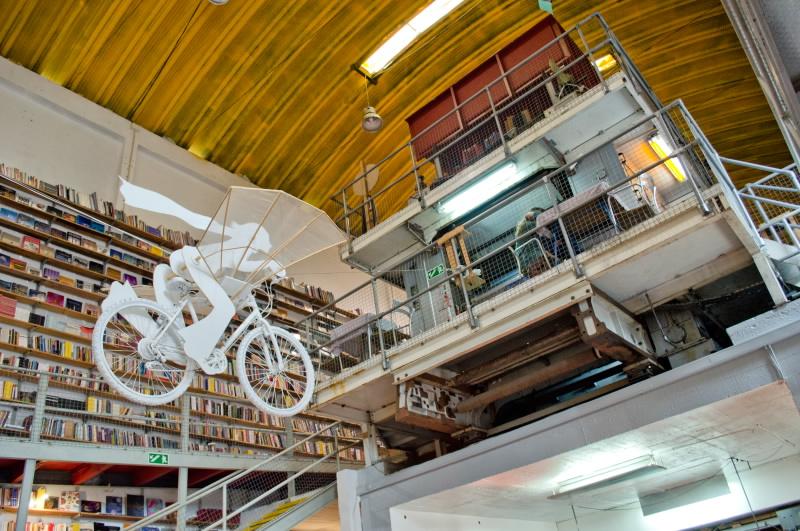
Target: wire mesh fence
(542, 86)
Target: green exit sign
(158, 459)
(436, 271)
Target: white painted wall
(61, 137)
(404, 520)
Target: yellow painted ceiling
(265, 88)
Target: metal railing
(66, 406)
(544, 85)
(498, 255)
(773, 204)
(227, 503)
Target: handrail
(274, 488)
(499, 205)
(516, 67)
(466, 132)
(458, 272)
(159, 515)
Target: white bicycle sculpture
(145, 350)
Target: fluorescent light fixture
(699, 513)
(403, 37)
(605, 63)
(663, 150)
(635, 468)
(488, 187)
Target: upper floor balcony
(573, 261)
(558, 102)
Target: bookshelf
(71, 507)
(59, 251)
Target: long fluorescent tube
(608, 476)
(488, 187)
(403, 37)
(664, 150)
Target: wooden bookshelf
(55, 513)
(287, 299)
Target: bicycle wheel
(279, 391)
(137, 367)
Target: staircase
(773, 204)
(237, 502)
(286, 515)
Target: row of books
(38, 225)
(46, 273)
(60, 347)
(81, 220)
(90, 201)
(104, 405)
(233, 410)
(83, 431)
(11, 308)
(234, 435)
(9, 496)
(308, 425)
(43, 526)
(34, 245)
(217, 386)
(312, 291)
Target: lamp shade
(371, 121)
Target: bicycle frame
(255, 315)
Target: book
(29, 243)
(134, 505)
(51, 502)
(70, 501)
(154, 505)
(88, 506)
(114, 504)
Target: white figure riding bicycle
(147, 352)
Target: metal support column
(371, 456)
(29, 470)
(417, 179)
(290, 486)
(186, 415)
(25, 494)
(379, 329)
(506, 149)
(183, 487)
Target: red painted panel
(473, 83)
(529, 43)
(428, 115)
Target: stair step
(272, 515)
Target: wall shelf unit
(57, 259)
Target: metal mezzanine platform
(678, 249)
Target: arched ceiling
(265, 88)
